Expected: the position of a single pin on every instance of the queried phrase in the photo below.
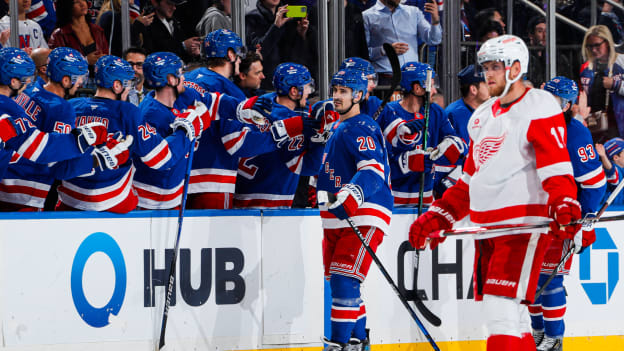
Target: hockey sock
(346, 303)
(535, 311)
(554, 307)
(504, 326)
(359, 330)
(504, 342)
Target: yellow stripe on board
(581, 343)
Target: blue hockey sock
(345, 307)
(554, 307)
(359, 331)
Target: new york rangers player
(370, 103)
(355, 168)
(549, 308)
(19, 138)
(518, 170)
(112, 190)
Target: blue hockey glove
(348, 199)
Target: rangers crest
(487, 148)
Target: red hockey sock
(527, 342)
(504, 343)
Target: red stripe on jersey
(469, 167)
(96, 198)
(509, 212)
(21, 189)
(427, 200)
(377, 166)
(40, 10)
(372, 212)
(262, 203)
(152, 162)
(556, 313)
(158, 197)
(393, 133)
(212, 178)
(15, 157)
(594, 180)
(232, 142)
(34, 146)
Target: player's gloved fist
(434, 219)
(288, 128)
(324, 112)
(7, 128)
(408, 131)
(414, 161)
(192, 120)
(90, 134)
(114, 153)
(251, 112)
(348, 199)
(564, 210)
(451, 147)
(583, 239)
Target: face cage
(374, 78)
(129, 83)
(79, 79)
(27, 80)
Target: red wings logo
(485, 149)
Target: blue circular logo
(98, 242)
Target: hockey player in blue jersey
(548, 309)
(112, 190)
(407, 158)
(611, 155)
(26, 184)
(355, 168)
(19, 138)
(292, 129)
(221, 52)
(370, 103)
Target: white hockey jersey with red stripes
(514, 151)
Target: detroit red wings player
(517, 171)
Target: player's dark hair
(64, 13)
(216, 61)
(245, 64)
(133, 50)
(465, 88)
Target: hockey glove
(583, 239)
(7, 128)
(414, 161)
(324, 112)
(90, 134)
(348, 199)
(285, 129)
(114, 153)
(194, 120)
(434, 219)
(408, 131)
(451, 147)
(251, 111)
(564, 210)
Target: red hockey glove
(584, 239)
(414, 161)
(323, 112)
(285, 129)
(434, 219)
(451, 147)
(194, 120)
(564, 210)
(90, 134)
(348, 199)
(7, 128)
(114, 153)
(254, 111)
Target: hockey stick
(418, 301)
(172, 265)
(326, 197)
(508, 228)
(396, 77)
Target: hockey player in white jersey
(517, 171)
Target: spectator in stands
(536, 39)
(299, 42)
(40, 58)
(390, 21)
(354, 32)
(489, 30)
(363, 5)
(601, 80)
(217, 16)
(611, 17)
(467, 13)
(489, 14)
(250, 74)
(30, 33)
(165, 33)
(136, 57)
(44, 13)
(109, 18)
(75, 29)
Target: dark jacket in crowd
(156, 37)
(355, 39)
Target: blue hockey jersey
(109, 188)
(459, 113)
(206, 81)
(369, 106)
(26, 182)
(356, 153)
(406, 187)
(270, 180)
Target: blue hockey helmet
(68, 62)
(217, 43)
(351, 78)
(413, 72)
(110, 68)
(15, 63)
(158, 66)
(288, 75)
(360, 64)
(565, 88)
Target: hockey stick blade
(396, 76)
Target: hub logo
(98, 242)
(598, 292)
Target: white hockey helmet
(506, 49)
